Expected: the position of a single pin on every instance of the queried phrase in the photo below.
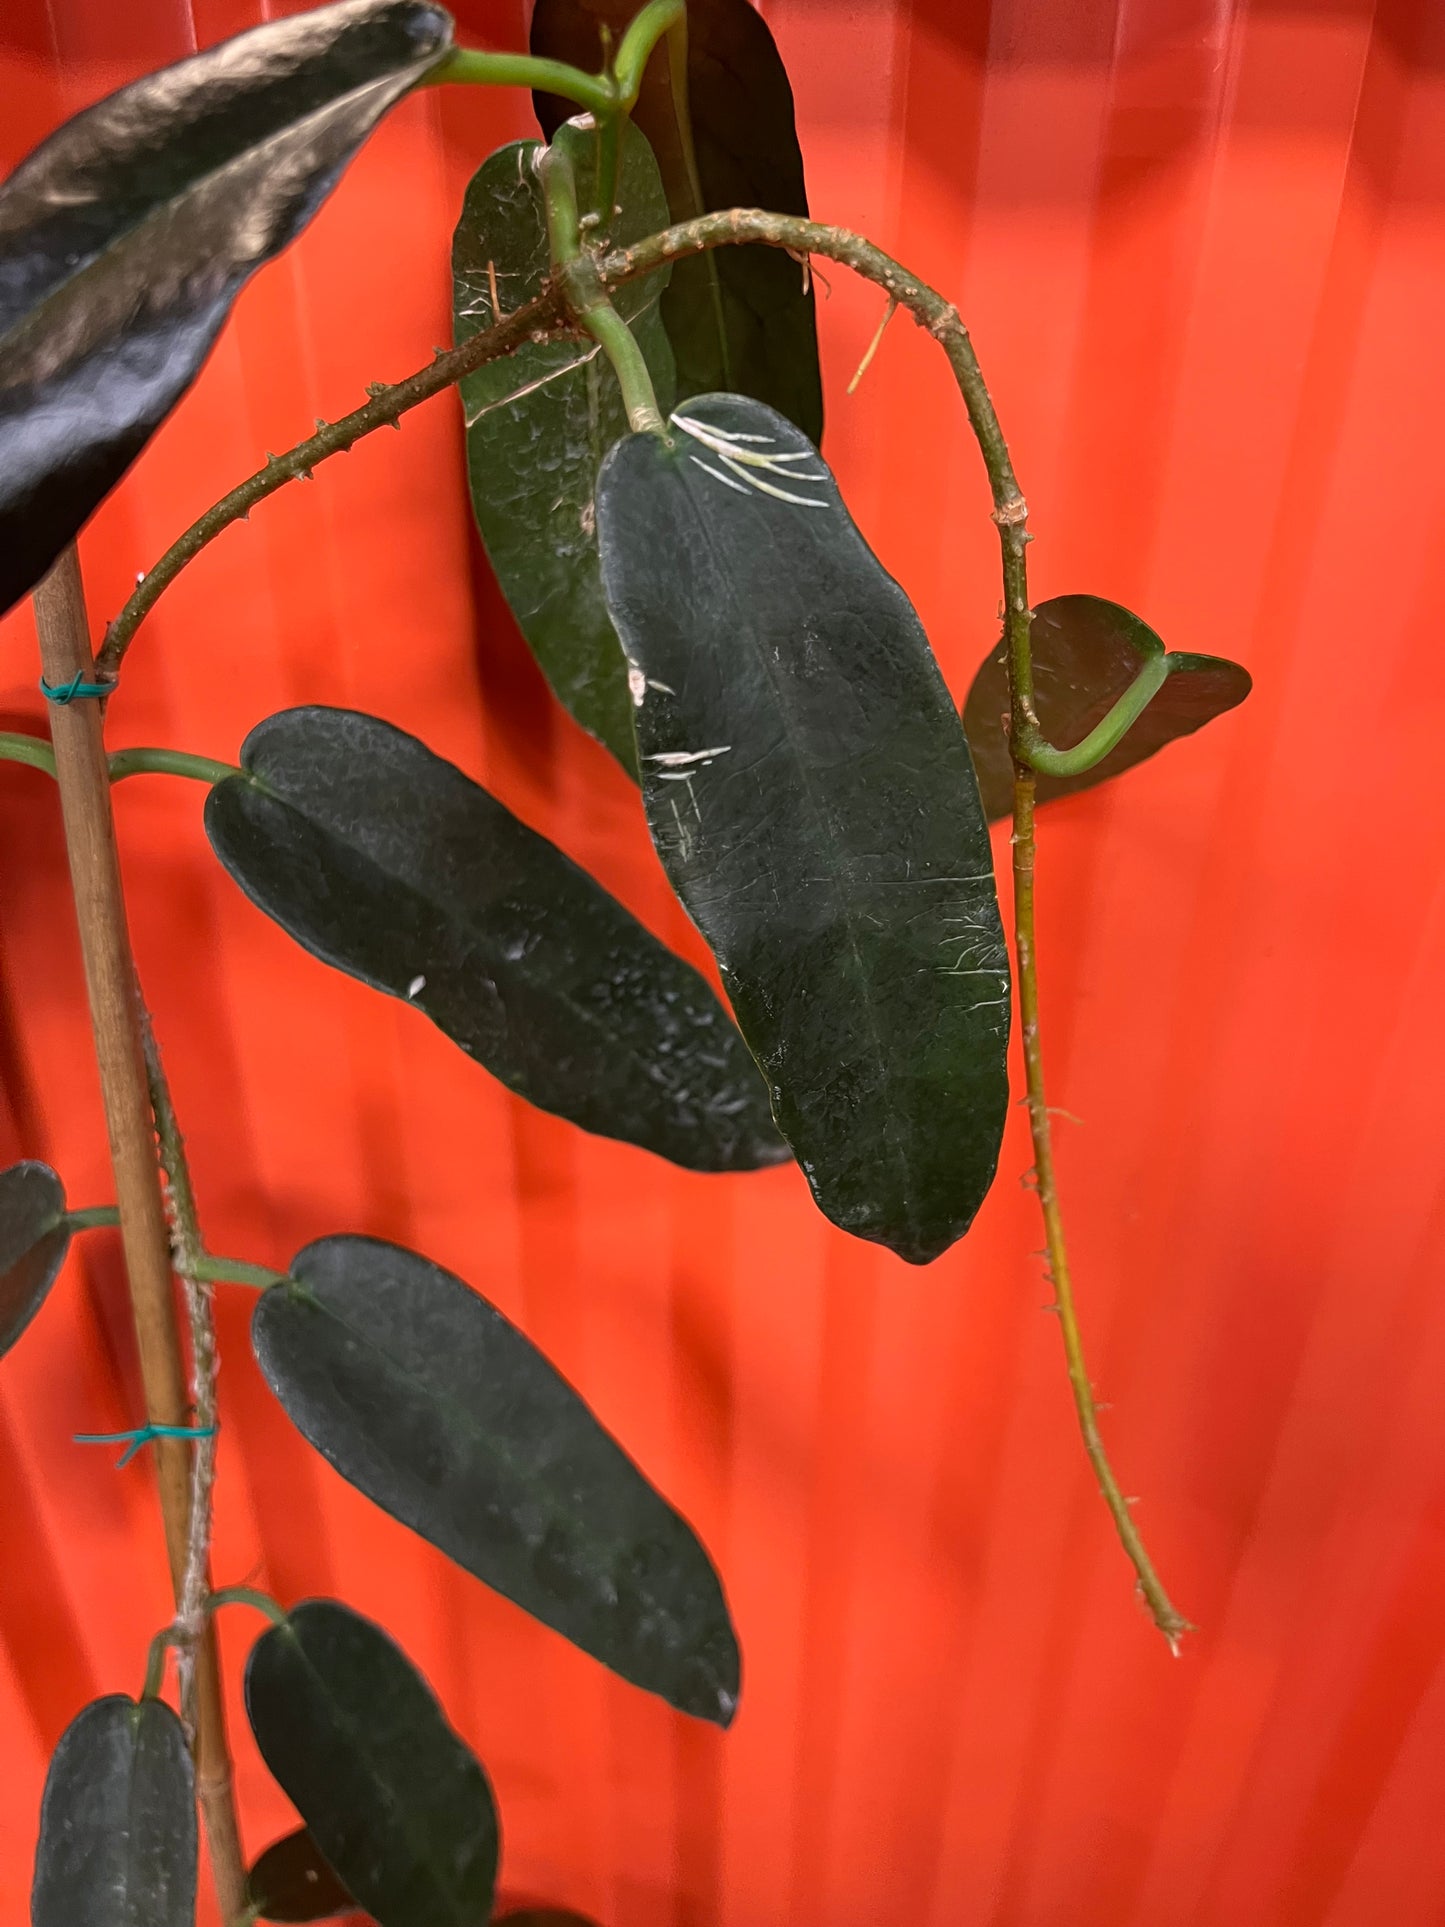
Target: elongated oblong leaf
(431, 1403)
(810, 793)
(395, 867)
(740, 318)
(540, 422)
(394, 1798)
(125, 237)
(1086, 652)
(34, 1239)
(292, 1881)
(118, 1822)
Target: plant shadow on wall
(636, 360)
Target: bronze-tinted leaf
(1086, 652)
(436, 1407)
(395, 867)
(810, 793)
(34, 1239)
(292, 1882)
(125, 237)
(739, 318)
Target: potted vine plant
(635, 352)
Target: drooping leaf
(293, 1882)
(394, 1799)
(392, 865)
(428, 1400)
(810, 793)
(34, 1239)
(1086, 652)
(739, 318)
(539, 423)
(126, 236)
(118, 1822)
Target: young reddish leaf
(34, 1239)
(1086, 652)
(292, 1882)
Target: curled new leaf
(395, 867)
(125, 237)
(118, 1822)
(810, 793)
(431, 1403)
(540, 422)
(34, 1239)
(292, 1882)
(394, 1799)
(1086, 652)
(739, 317)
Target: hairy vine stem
(802, 238)
(187, 1257)
(84, 783)
(532, 322)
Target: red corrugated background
(1200, 245)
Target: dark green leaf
(430, 1402)
(1086, 652)
(125, 237)
(539, 423)
(34, 1239)
(739, 318)
(396, 1801)
(118, 1822)
(292, 1882)
(543, 1917)
(395, 867)
(810, 793)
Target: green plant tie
(74, 691)
(142, 1435)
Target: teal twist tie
(143, 1435)
(74, 691)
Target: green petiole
(473, 67)
(1104, 736)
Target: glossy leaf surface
(395, 867)
(34, 1239)
(125, 237)
(428, 1400)
(540, 422)
(396, 1801)
(292, 1882)
(810, 793)
(740, 318)
(1086, 652)
(118, 1822)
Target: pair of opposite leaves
(399, 1816)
